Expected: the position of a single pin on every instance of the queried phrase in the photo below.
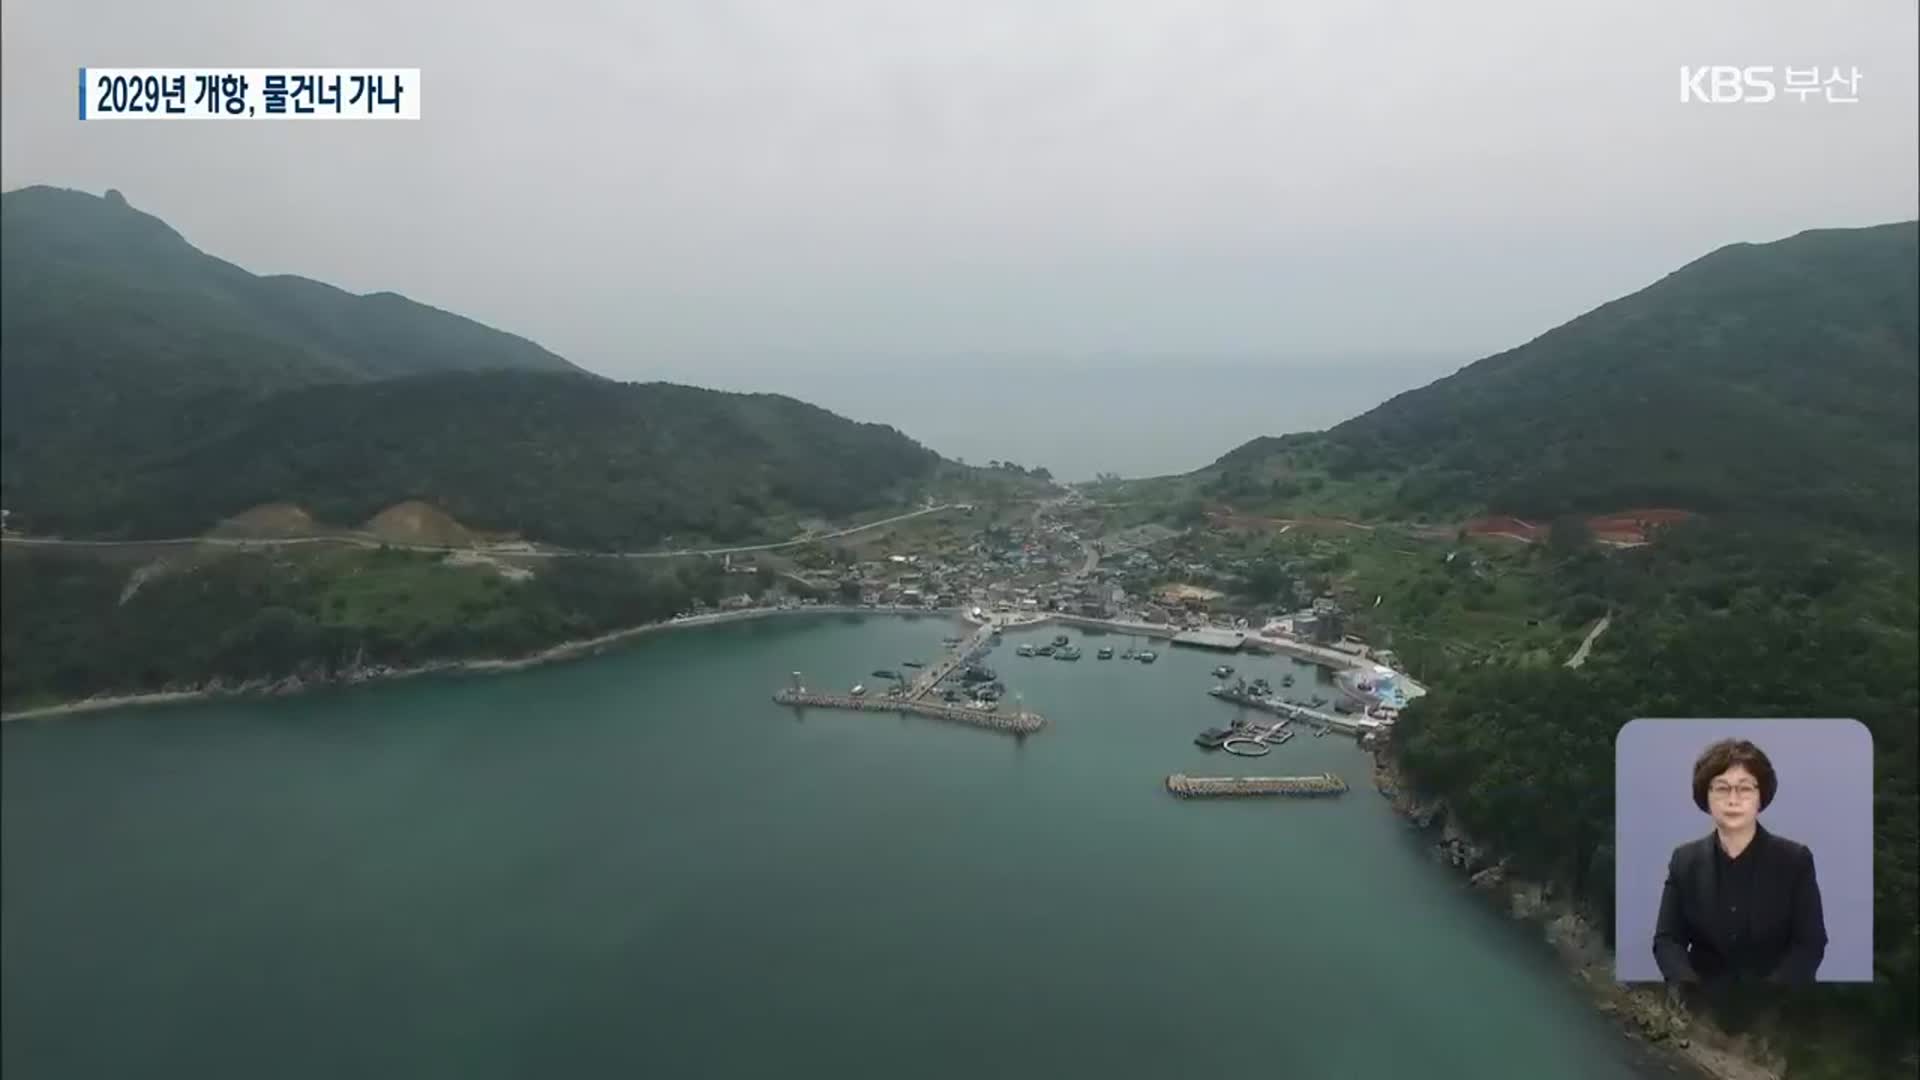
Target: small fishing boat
(1023, 650)
(859, 690)
(1105, 652)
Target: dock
(1356, 725)
(1199, 787)
(1013, 723)
(970, 649)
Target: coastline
(1643, 1012)
(565, 650)
(578, 647)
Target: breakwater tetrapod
(1197, 787)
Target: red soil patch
(1624, 527)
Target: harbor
(958, 687)
(873, 815)
(1203, 787)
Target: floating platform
(1016, 723)
(1195, 787)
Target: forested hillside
(152, 390)
(1710, 621)
(1774, 388)
(73, 625)
(573, 459)
(1778, 378)
(107, 313)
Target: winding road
(520, 553)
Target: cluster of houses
(1043, 568)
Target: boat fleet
(974, 685)
(1063, 648)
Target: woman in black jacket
(1740, 903)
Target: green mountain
(95, 289)
(573, 459)
(152, 390)
(1776, 378)
(109, 319)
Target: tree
(1569, 535)
(1267, 580)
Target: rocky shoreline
(1645, 1012)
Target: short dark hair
(1726, 754)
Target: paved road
(1580, 655)
(530, 553)
(1093, 558)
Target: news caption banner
(249, 93)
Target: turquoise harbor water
(637, 865)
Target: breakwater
(1195, 787)
(1015, 723)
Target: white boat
(859, 689)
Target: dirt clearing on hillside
(416, 522)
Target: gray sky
(663, 189)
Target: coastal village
(1063, 563)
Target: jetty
(1013, 723)
(1200, 787)
(965, 651)
(1239, 695)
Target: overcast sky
(656, 189)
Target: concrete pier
(966, 652)
(1195, 787)
(1014, 723)
(1343, 725)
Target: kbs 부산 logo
(1727, 84)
